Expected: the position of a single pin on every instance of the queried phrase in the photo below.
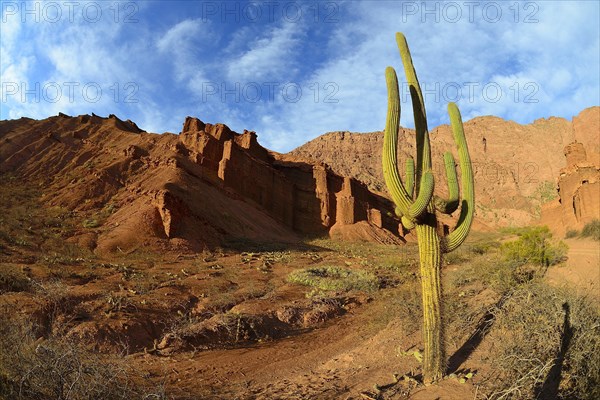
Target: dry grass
(13, 279)
(546, 345)
(53, 368)
(592, 230)
(543, 342)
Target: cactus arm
(467, 208)
(410, 188)
(390, 142)
(448, 206)
(407, 223)
(423, 147)
(409, 181)
(424, 196)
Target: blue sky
(293, 70)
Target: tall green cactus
(419, 211)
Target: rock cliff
(515, 165)
(201, 188)
(578, 185)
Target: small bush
(90, 223)
(592, 230)
(407, 303)
(534, 247)
(492, 271)
(4, 234)
(13, 280)
(456, 257)
(398, 264)
(571, 234)
(481, 248)
(330, 278)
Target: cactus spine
(418, 211)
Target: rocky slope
(198, 189)
(515, 165)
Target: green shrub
(592, 230)
(330, 278)
(546, 191)
(571, 234)
(90, 223)
(534, 247)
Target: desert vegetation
(590, 230)
(73, 322)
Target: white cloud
(559, 54)
(178, 38)
(269, 57)
(185, 43)
(65, 62)
(542, 70)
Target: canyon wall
(305, 196)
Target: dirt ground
(345, 359)
(223, 326)
(231, 326)
(582, 268)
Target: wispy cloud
(534, 70)
(538, 59)
(272, 56)
(185, 46)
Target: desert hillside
(210, 185)
(199, 189)
(516, 166)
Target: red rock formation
(187, 191)
(510, 169)
(305, 197)
(575, 154)
(578, 185)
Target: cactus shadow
(549, 388)
(481, 330)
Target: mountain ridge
(514, 175)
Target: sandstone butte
(209, 185)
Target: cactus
(418, 210)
